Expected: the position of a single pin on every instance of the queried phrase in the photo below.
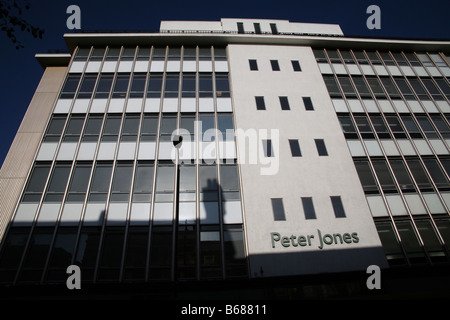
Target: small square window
(275, 65)
(278, 209)
(253, 64)
(308, 208)
(260, 104)
(308, 103)
(295, 148)
(296, 65)
(284, 103)
(321, 149)
(267, 146)
(338, 207)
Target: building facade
(303, 152)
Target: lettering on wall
(320, 240)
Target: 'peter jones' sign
(319, 239)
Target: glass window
(204, 54)
(275, 65)
(412, 59)
(165, 178)
(220, 54)
(205, 85)
(380, 127)
(366, 177)
(260, 104)
(396, 127)
(308, 103)
(296, 65)
(225, 126)
(347, 127)
(36, 256)
(55, 128)
(374, 58)
(390, 88)
(161, 252)
(361, 86)
(441, 125)
(87, 86)
(82, 54)
(136, 254)
(338, 207)
(295, 148)
(419, 89)
(437, 174)
(384, 176)
(190, 54)
(419, 174)
(308, 208)
(334, 56)
(62, 253)
(70, 87)
(138, 85)
(444, 86)
(111, 128)
(79, 182)
(390, 242)
(87, 251)
(143, 183)
(429, 238)
(171, 86)
(347, 87)
(388, 60)
(253, 64)
(121, 85)
(360, 57)
(97, 54)
(149, 128)
(364, 127)
(240, 26)
(74, 128)
(143, 54)
(36, 183)
(130, 127)
(284, 103)
(278, 209)
(347, 56)
(207, 127)
(321, 148)
(57, 183)
(188, 85)
(93, 126)
(402, 175)
(432, 89)
(235, 257)
(376, 88)
(267, 147)
(188, 180)
(113, 54)
(104, 86)
(222, 85)
(168, 126)
(332, 86)
(229, 178)
(122, 182)
(210, 252)
(111, 254)
(154, 85)
(257, 28)
(208, 184)
(174, 54)
(427, 127)
(400, 59)
(159, 54)
(100, 182)
(405, 89)
(411, 126)
(410, 241)
(320, 55)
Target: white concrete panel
(377, 206)
(356, 148)
(339, 105)
(170, 105)
(232, 212)
(116, 105)
(134, 105)
(396, 205)
(446, 197)
(394, 70)
(430, 106)
(117, 214)
(106, 151)
(98, 105)
(157, 66)
(353, 69)
(325, 68)
(62, 106)
(189, 66)
(93, 66)
(420, 71)
(224, 105)
(71, 214)
(163, 213)
(173, 66)
(221, 66)
(77, 66)
(355, 105)
(25, 214)
(371, 106)
(385, 106)
(48, 214)
(125, 66)
(206, 105)
(434, 71)
(140, 213)
(126, 151)
(422, 147)
(434, 203)
(166, 151)
(95, 213)
(381, 70)
(187, 213)
(109, 66)
(147, 150)
(227, 150)
(439, 146)
(373, 148)
(339, 68)
(209, 212)
(67, 151)
(408, 71)
(47, 151)
(400, 105)
(444, 106)
(87, 151)
(445, 71)
(415, 106)
(406, 147)
(367, 70)
(152, 105)
(80, 106)
(188, 105)
(415, 204)
(141, 66)
(390, 148)
(205, 66)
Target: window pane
(402, 175)
(275, 65)
(260, 104)
(419, 174)
(436, 173)
(188, 179)
(122, 178)
(284, 103)
(143, 182)
(308, 208)
(104, 86)
(338, 207)
(295, 148)
(80, 179)
(121, 85)
(38, 178)
(59, 178)
(229, 178)
(366, 177)
(267, 146)
(296, 65)
(384, 176)
(101, 178)
(165, 178)
(278, 209)
(321, 149)
(253, 64)
(308, 103)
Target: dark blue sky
(20, 72)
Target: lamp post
(177, 141)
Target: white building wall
(291, 178)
